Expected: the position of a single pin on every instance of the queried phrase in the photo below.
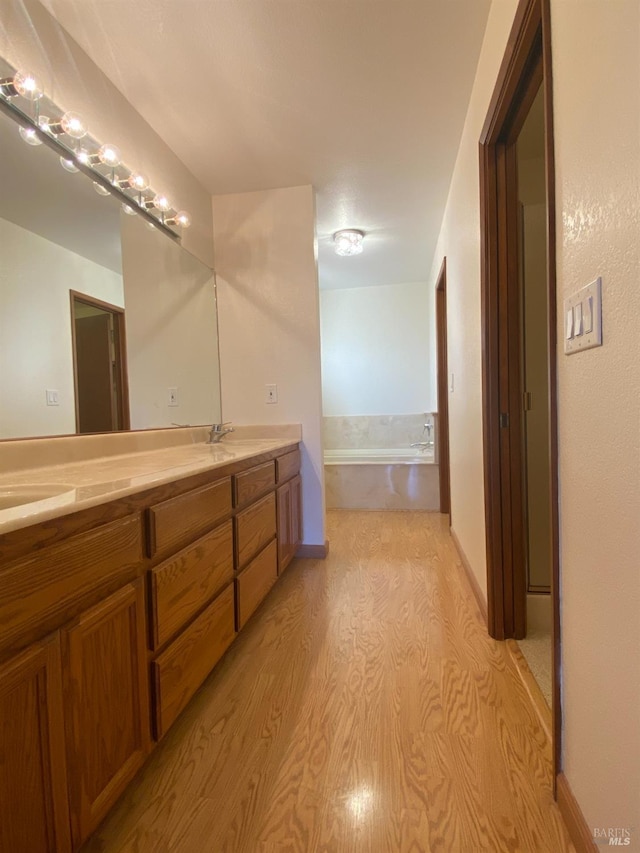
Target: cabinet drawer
(287, 466)
(40, 592)
(255, 526)
(252, 484)
(185, 583)
(183, 666)
(255, 582)
(178, 521)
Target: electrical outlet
(53, 397)
(271, 394)
(172, 397)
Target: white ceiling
(364, 99)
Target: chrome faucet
(423, 445)
(218, 432)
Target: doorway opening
(517, 184)
(443, 391)
(99, 365)
(535, 643)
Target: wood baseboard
(475, 587)
(313, 552)
(579, 832)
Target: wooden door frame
(443, 391)
(123, 375)
(526, 64)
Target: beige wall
(30, 38)
(269, 323)
(460, 242)
(376, 350)
(597, 114)
(35, 329)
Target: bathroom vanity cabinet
(110, 620)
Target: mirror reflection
(105, 322)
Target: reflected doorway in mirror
(99, 365)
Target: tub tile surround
(376, 431)
(100, 468)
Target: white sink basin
(11, 496)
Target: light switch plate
(586, 304)
(53, 397)
(172, 397)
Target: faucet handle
(220, 427)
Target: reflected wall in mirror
(58, 236)
(172, 335)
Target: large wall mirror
(105, 322)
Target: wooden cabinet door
(34, 812)
(289, 506)
(283, 504)
(106, 703)
(296, 514)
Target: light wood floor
(364, 708)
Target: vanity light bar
(20, 89)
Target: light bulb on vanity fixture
(71, 123)
(68, 165)
(181, 218)
(101, 190)
(161, 202)
(107, 155)
(348, 242)
(83, 156)
(138, 182)
(22, 83)
(29, 135)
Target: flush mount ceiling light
(348, 242)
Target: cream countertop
(105, 478)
